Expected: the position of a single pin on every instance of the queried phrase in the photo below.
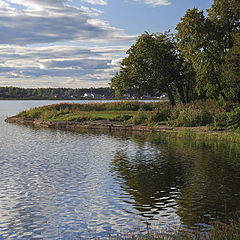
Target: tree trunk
(221, 90)
(181, 93)
(170, 96)
(187, 92)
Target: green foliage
(231, 72)
(190, 117)
(153, 63)
(135, 112)
(205, 41)
(159, 115)
(197, 40)
(141, 118)
(227, 120)
(220, 115)
(216, 114)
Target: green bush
(227, 120)
(220, 121)
(140, 118)
(234, 118)
(190, 117)
(159, 115)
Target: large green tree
(231, 69)
(154, 63)
(205, 41)
(197, 41)
(225, 14)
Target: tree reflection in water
(165, 175)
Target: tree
(196, 39)
(225, 14)
(153, 63)
(232, 69)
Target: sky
(77, 43)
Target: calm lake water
(66, 185)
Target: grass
(215, 115)
(218, 231)
(122, 111)
(231, 136)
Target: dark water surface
(65, 185)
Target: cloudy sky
(77, 43)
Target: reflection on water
(66, 185)
(168, 176)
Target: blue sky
(77, 43)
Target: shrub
(228, 120)
(233, 121)
(220, 121)
(190, 117)
(159, 115)
(140, 118)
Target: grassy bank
(127, 112)
(215, 115)
(218, 231)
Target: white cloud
(155, 3)
(40, 44)
(49, 21)
(71, 65)
(96, 2)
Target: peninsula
(201, 117)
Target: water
(65, 185)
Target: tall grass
(215, 114)
(218, 231)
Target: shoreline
(105, 125)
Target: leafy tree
(153, 62)
(187, 79)
(197, 41)
(225, 14)
(232, 69)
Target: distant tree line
(53, 93)
(202, 60)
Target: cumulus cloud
(41, 44)
(71, 65)
(155, 3)
(96, 2)
(49, 21)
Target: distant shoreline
(86, 99)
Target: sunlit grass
(215, 115)
(120, 111)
